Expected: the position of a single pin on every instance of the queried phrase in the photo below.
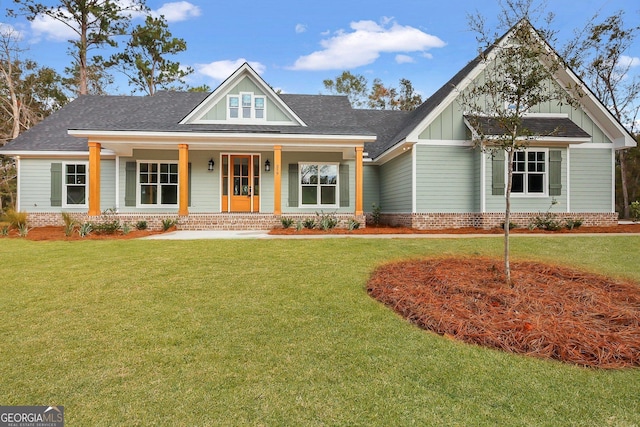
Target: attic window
(246, 107)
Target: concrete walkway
(264, 234)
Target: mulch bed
(57, 233)
(551, 312)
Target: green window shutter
(56, 184)
(130, 184)
(497, 185)
(189, 183)
(293, 185)
(555, 172)
(344, 185)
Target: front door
(243, 173)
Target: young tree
(598, 55)
(518, 75)
(407, 100)
(144, 60)
(96, 23)
(354, 86)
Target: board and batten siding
(371, 190)
(35, 185)
(396, 184)
(447, 179)
(534, 203)
(591, 175)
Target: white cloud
(364, 44)
(404, 59)
(52, 29)
(628, 61)
(220, 70)
(8, 30)
(177, 11)
(300, 28)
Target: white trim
(336, 205)
(117, 184)
(414, 183)
(18, 184)
(613, 181)
(139, 205)
(568, 192)
(593, 145)
(483, 181)
(86, 185)
(229, 174)
(545, 184)
(446, 142)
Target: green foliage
(141, 225)
(326, 221)
(572, 223)
(376, 214)
(167, 223)
(547, 221)
(4, 229)
(353, 224)
(23, 230)
(144, 60)
(126, 228)
(635, 211)
(309, 223)
(16, 219)
(108, 223)
(286, 222)
(70, 223)
(299, 225)
(85, 229)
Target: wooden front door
(241, 177)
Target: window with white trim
(529, 172)
(75, 184)
(246, 106)
(158, 183)
(319, 184)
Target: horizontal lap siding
(396, 184)
(107, 184)
(35, 185)
(371, 178)
(447, 179)
(591, 175)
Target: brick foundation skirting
(197, 221)
(435, 221)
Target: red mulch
(551, 312)
(622, 228)
(57, 233)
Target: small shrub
(85, 229)
(572, 223)
(511, 225)
(16, 219)
(23, 230)
(126, 228)
(547, 221)
(353, 224)
(4, 229)
(70, 223)
(299, 225)
(375, 214)
(141, 225)
(326, 221)
(286, 222)
(108, 224)
(167, 223)
(634, 211)
(309, 223)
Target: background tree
(354, 86)
(382, 98)
(97, 78)
(408, 99)
(598, 55)
(144, 60)
(96, 23)
(518, 75)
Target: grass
(276, 332)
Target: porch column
(94, 179)
(359, 181)
(277, 180)
(183, 171)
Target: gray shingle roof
(561, 127)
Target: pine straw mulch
(551, 312)
(57, 233)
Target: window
(529, 172)
(75, 187)
(246, 106)
(158, 183)
(318, 184)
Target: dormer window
(246, 106)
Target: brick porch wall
(218, 221)
(435, 221)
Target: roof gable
(243, 98)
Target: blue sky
(296, 44)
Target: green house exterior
(244, 157)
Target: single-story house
(244, 156)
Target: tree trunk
(507, 218)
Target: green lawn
(276, 332)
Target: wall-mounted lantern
(211, 164)
(267, 165)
